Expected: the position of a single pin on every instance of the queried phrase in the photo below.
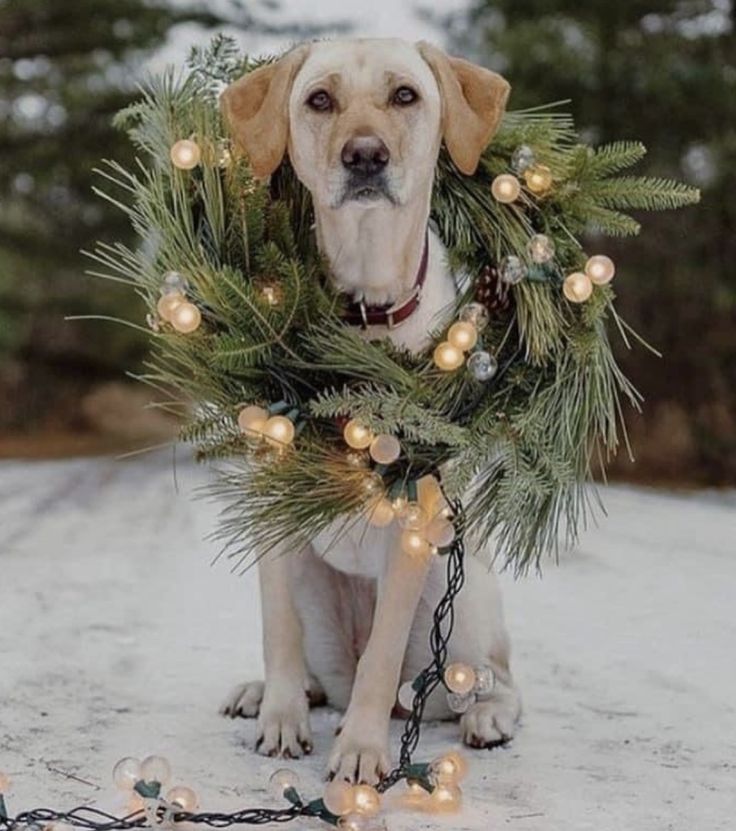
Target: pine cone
(492, 292)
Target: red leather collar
(392, 314)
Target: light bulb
(413, 517)
(126, 773)
(577, 287)
(184, 797)
(400, 504)
(406, 695)
(485, 681)
(356, 435)
(448, 357)
(372, 484)
(538, 179)
(447, 798)
(338, 797)
(463, 335)
(414, 544)
(168, 303)
(440, 532)
(185, 317)
(460, 678)
(600, 269)
(366, 800)
(252, 420)
(475, 313)
(279, 430)
(185, 154)
(381, 514)
(449, 768)
(540, 248)
(505, 188)
(385, 449)
(283, 780)
(156, 769)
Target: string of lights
(351, 808)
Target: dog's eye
(320, 101)
(405, 96)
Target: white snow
(118, 638)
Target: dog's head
(363, 120)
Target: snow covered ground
(118, 638)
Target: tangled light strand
(94, 819)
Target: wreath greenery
(258, 324)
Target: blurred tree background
(664, 72)
(661, 71)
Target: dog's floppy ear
(473, 102)
(256, 109)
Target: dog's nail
(287, 753)
(307, 747)
(330, 775)
(338, 730)
(259, 742)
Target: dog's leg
(361, 751)
(281, 702)
(480, 639)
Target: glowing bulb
(185, 317)
(279, 430)
(126, 773)
(440, 532)
(252, 420)
(381, 513)
(447, 798)
(485, 681)
(168, 303)
(400, 504)
(366, 800)
(283, 780)
(357, 436)
(184, 797)
(413, 517)
(450, 768)
(577, 287)
(448, 357)
(460, 678)
(505, 188)
(385, 449)
(338, 797)
(600, 269)
(185, 154)
(538, 178)
(463, 335)
(156, 769)
(414, 544)
(4, 783)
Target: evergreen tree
(664, 72)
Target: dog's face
(363, 120)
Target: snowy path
(117, 638)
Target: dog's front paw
(491, 723)
(283, 722)
(244, 700)
(360, 752)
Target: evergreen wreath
(246, 328)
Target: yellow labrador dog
(362, 122)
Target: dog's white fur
(348, 622)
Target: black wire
(429, 679)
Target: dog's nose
(365, 155)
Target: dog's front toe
(359, 757)
(244, 701)
(283, 726)
(491, 723)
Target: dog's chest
(362, 549)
